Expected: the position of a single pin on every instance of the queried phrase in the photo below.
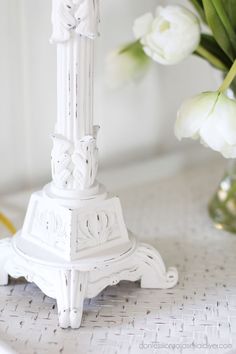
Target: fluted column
(75, 88)
(74, 155)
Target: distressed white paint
(74, 241)
(79, 16)
(27, 88)
(74, 156)
(70, 283)
(199, 310)
(74, 165)
(75, 87)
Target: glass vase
(222, 206)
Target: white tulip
(169, 37)
(124, 66)
(210, 117)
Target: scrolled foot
(72, 285)
(172, 276)
(70, 318)
(76, 317)
(153, 270)
(64, 318)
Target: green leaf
(209, 43)
(213, 60)
(218, 29)
(230, 8)
(199, 7)
(220, 9)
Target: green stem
(229, 78)
(212, 59)
(130, 46)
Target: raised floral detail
(96, 228)
(79, 16)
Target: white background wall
(136, 121)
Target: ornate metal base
(70, 282)
(74, 241)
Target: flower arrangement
(171, 35)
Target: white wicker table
(169, 211)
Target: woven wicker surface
(170, 214)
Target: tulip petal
(226, 118)
(193, 113)
(142, 25)
(229, 152)
(211, 135)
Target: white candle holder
(74, 241)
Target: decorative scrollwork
(95, 229)
(74, 166)
(51, 228)
(62, 166)
(85, 160)
(50, 223)
(80, 16)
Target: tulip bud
(171, 36)
(126, 64)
